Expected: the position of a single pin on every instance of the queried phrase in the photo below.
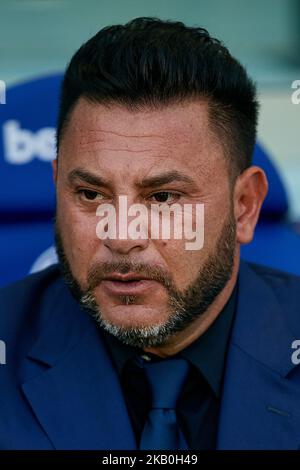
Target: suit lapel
(260, 405)
(76, 396)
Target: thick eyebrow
(151, 181)
(165, 178)
(87, 177)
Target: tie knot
(166, 378)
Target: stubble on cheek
(79, 244)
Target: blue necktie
(161, 431)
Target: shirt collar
(207, 353)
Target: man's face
(152, 156)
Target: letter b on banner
(22, 145)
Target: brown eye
(89, 194)
(163, 196)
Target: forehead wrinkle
(98, 145)
(97, 152)
(128, 150)
(85, 142)
(119, 134)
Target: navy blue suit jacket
(59, 389)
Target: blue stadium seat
(27, 196)
(276, 241)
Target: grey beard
(183, 307)
(141, 337)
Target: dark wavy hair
(149, 62)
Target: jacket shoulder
(20, 300)
(286, 289)
(276, 277)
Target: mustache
(100, 271)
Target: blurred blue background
(38, 38)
